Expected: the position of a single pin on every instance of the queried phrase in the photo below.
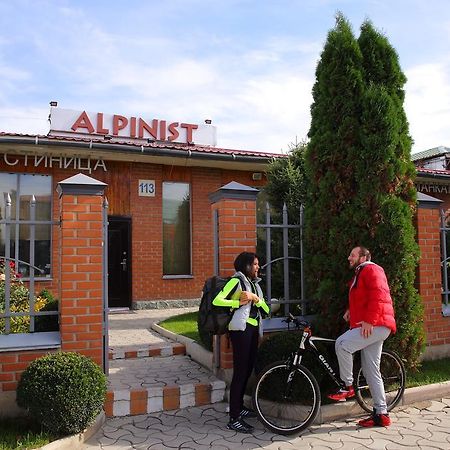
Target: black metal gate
(287, 283)
(445, 262)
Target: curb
(327, 413)
(134, 402)
(146, 351)
(76, 441)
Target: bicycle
(287, 398)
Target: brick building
(160, 184)
(159, 175)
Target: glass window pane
(40, 187)
(176, 229)
(24, 186)
(8, 185)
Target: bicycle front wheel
(286, 399)
(394, 379)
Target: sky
(247, 65)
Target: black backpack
(213, 319)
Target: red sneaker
(342, 395)
(375, 420)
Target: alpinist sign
(65, 122)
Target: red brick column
(234, 213)
(81, 259)
(429, 277)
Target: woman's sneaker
(247, 413)
(375, 420)
(342, 394)
(240, 426)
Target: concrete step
(146, 350)
(146, 385)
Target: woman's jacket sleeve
(233, 290)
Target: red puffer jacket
(370, 298)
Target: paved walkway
(424, 425)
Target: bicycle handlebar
(298, 323)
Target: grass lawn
(21, 433)
(184, 324)
(430, 372)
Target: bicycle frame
(307, 345)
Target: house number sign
(146, 188)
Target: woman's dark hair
(244, 261)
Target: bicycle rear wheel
(394, 379)
(286, 399)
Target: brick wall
(12, 364)
(147, 244)
(81, 294)
(429, 282)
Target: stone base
(8, 405)
(436, 352)
(165, 304)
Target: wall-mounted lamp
(208, 121)
(53, 103)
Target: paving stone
(422, 426)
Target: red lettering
(153, 130)
(100, 128)
(162, 130)
(132, 127)
(189, 127)
(119, 123)
(83, 122)
(173, 131)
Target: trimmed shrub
(62, 391)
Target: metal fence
(287, 298)
(445, 262)
(18, 307)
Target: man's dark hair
(363, 251)
(244, 261)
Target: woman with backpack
(244, 296)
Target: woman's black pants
(245, 347)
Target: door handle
(124, 264)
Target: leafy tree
(286, 181)
(286, 184)
(361, 187)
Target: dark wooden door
(119, 262)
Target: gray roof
(430, 153)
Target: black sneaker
(240, 426)
(247, 413)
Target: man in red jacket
(371, 316)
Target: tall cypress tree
(386, 188)
(334, 144)
(361, 179)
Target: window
(21, 189)
(176, 229)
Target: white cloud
(427, 104)
(27, 120)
